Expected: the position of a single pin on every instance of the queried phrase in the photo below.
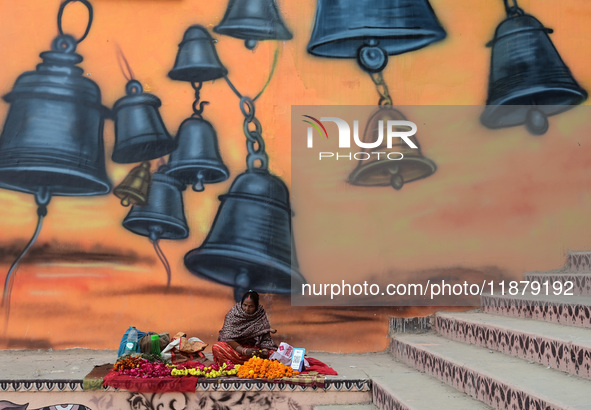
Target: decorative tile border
(481, 387)
(383, 400)
(342, 385)
(578, 261)
(581, 281)
(355, 385)
(561, 355)
(41, 385)
(549, 311)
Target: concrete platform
(396, 385)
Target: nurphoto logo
(387, 131)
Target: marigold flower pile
(257, 367)
(199, 369)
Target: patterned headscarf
(247, 329)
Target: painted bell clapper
(52, 140)
(253, 21)
(134, 189)
(528, 79)
(377, 170)
(163, 216)
(140, 133)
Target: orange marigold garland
(258, 368)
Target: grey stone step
(397, 386)
(565, 348)
(566, 310)
(367, 406)
(581, 282)
(496, 379)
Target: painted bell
(396, 166)
(134, 189)
(252, 21)
(163, 217)
(197, 160)
(52, 138)
(140, 133)
(528, 79)
(197, 60)
(370, 30)
(250, 244)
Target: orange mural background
(79, 301)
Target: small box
(297, 359)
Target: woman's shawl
(247, 329)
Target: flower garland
(257, 367)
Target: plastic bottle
(155, 344)
(131, 344)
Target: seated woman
(246, 332)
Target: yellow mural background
(97, 301)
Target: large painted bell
(52, 139)
(370, 30)
(197, 160)
(163, 217)
(395, 166)
(250, 244)
(140, 133)
(197, 60)
(253, 20)
(528, 79)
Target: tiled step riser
(383, 400)
(578, 262)
(557, 354)
(572, 315)
(581, 283)
(471, 382)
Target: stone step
(368, 406)
(397, 386)
(581, 282)
(566, 310)
(501, 381)
(565, 348)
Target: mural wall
(512, 202)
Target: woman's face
(248, 306)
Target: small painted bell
(395, 166)
(197, 60)
(52, 139)
(252, 21)
(140, 134)
(528, 79)
(163, 217)
(197, 160)
(370, 30)
(135, 187)
(250, 244)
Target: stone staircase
(519, 351)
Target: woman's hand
(273, 330)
